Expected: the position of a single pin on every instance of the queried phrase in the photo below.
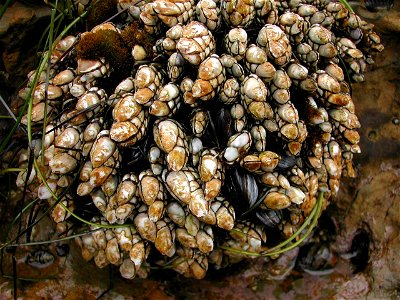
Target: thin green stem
(309, 230)
(45, 32)
(238, 251)
(48, 59)
(30, 279)
(55, 240)
(29, 205)
(312, 219)
(347, 5)
(66, 29)
(4, 7)
(11, 114)
(27, 107)
(302, 227)
(171, 264)
(7, 139)
(24, 210)
(28, 102)
(10, 170)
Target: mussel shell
(242, 187)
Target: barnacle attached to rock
(196, 127)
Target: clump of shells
(224, 134)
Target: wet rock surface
(20, 31)
(366, 213)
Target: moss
(110, 45)
(115, 47)
(133, 35)
(99, 11)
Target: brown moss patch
(110, 45)
(134, 35)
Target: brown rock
(19, 28)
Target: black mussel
(242, 187)
(40, 259)
(317, 258)
(287, 162)
(270, 218)
(136, 155)
(221, 125)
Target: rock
(372, 201)
(19, 28)
(385, 20)
(380, 189)
(355, 288)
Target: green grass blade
(30, 279)
(347, 5)
(4, 7)
(7, 139)
(311, 222)
(50, 47)
(302, 227)
(63, 239)
(10, 170)
(318, 207)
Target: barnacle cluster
(219, 138)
